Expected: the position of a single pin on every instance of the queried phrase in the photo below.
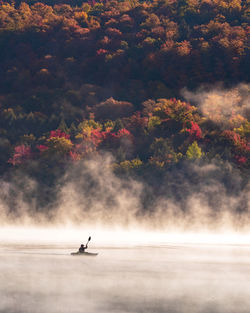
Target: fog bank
(197, 198)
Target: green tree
(194, 151)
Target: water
(166, 278)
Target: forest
(160, 85)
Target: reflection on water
(146, 279)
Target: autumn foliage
(81, 77)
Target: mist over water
(135, 271)
(150, 278)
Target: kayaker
(82, 248)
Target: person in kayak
(82, 248)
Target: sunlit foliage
(194, 151)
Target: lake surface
(147, 279)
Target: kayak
(84, 253)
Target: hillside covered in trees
(160, 85)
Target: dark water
(145, 279)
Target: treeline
(78, 78)
(165, 132)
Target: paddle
(88, 242)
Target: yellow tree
(58, 146)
